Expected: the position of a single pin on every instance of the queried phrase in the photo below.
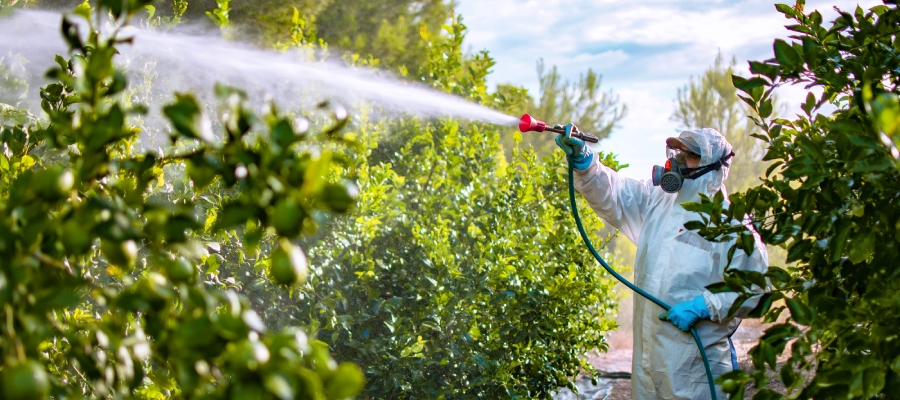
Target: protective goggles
(680, 156)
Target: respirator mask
(671, 176)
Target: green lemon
(121, 254)
(286, 217)
(54, 182)
(25, 381)
(250, 355)
(288, 264)
(321, 360)
(761, 204)
(340, 196)
(181, 270)
(247, 390)
(155, 289)
(729, 386)
(201, 174)
(76, 239)
(346, 382)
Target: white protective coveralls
(674, 265)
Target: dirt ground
(617, 361)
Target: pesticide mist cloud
(188, 60)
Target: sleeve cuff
(583, 163)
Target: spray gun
(530, 124)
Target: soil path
(618, 360)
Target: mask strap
(700, 171)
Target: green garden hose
(648, 296)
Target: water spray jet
(188, 59)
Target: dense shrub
(101, 246)
(460, 275)
(830, 199)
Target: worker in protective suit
(672, 263)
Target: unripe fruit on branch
(288, 264)
(24, 381)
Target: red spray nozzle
(530, 124)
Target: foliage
(582, 103)
(448, 69)
(389, 32)
(13, 3)
(220, 15)
(830, 199)
(103, 247)
(416, 285)
(712, 102)
(458, 274)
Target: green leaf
(862, 247)
(283, 133)
(747, 242)
(762, 68)
(118, 83)
(747, 85)
(778, 275)
(880, 10)
(346, 382)
(773, 167)
(787, 10)
(765, 109)
(798, 250)
(873, 381)
(212, 263)
(232, 215)
(187, 118)
(809, 104)
(315, 175)
(875, 163)
(115, 7)
(886, 107)
(800, 312)
(720, 287)
(786, 55)
(201, 172)
(72, 35)
(83, 10)
(764, 305)
(694, 225)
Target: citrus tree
(105, 284)
(830, 199)
(459, 274)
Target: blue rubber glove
(685, 314)
(575, 149)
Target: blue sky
(645, 51)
